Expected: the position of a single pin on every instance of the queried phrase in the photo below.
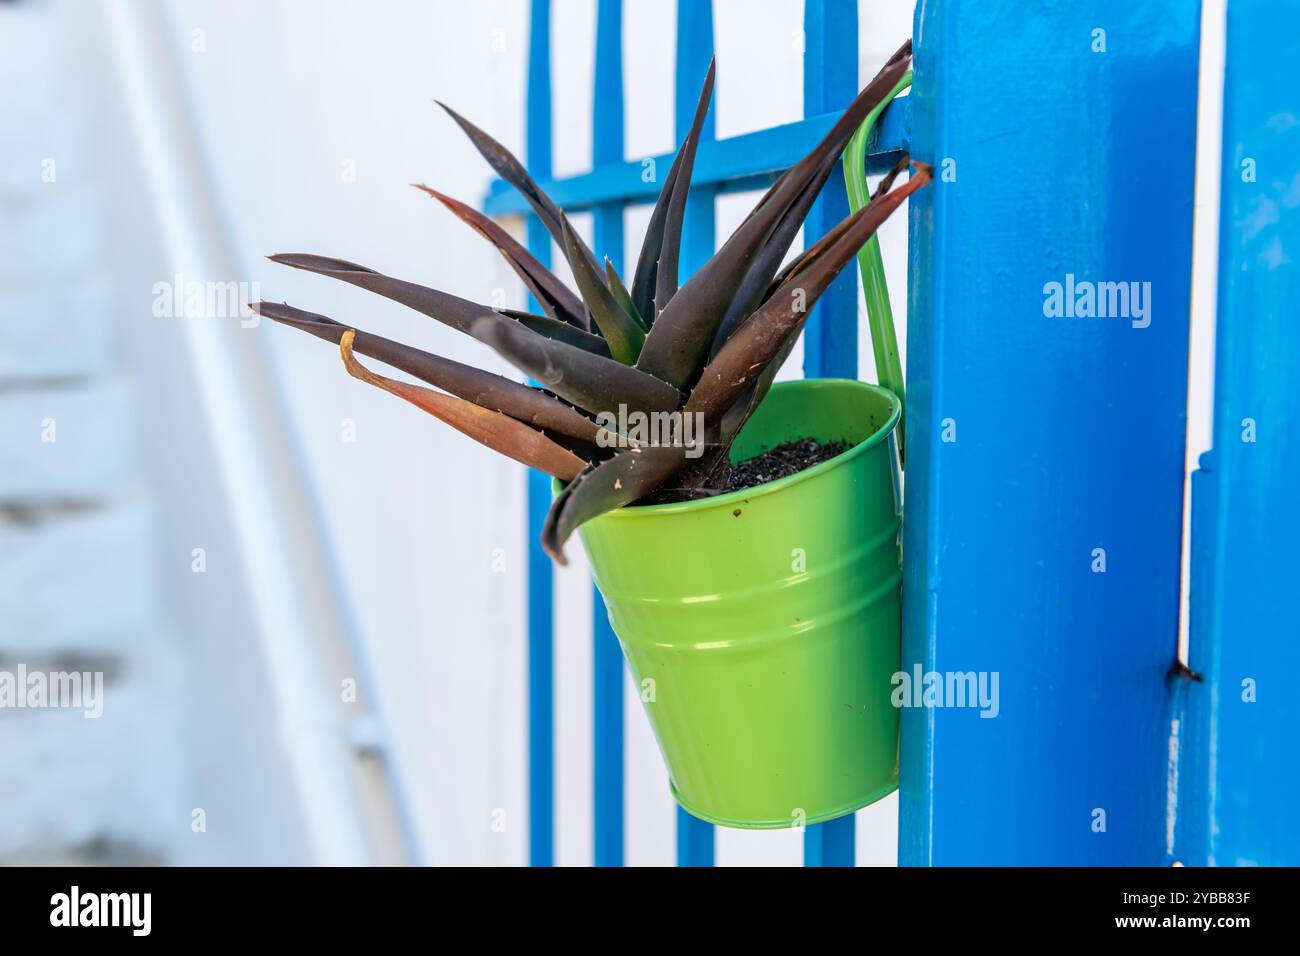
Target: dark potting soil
(788, 458)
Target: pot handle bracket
(880, 317)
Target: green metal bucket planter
(762, 626)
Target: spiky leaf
(592, 382)
(622, 296)
(509, 168)
(495, 392)
(670, 252)
(619, 328)
(561, 331)
(662, 240)
(499, 432)
(817, 248)
(554, 296)
(683, 333)
(629, 475)
(446, 308)
(759, 339)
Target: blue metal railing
(744, 162)
(1045, 454)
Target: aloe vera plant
(701, 353)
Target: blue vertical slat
(831, 843)
(830, 80)
(606, 656)
(1239, 781)
(1035, 443)
(541, 664)
(694, 50)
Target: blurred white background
(303, 124)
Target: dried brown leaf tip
(606, 352)
(499, 432)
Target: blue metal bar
(830, 81)
(831, 843)
(749, 161)
(1239, 784)
(1045, 454)
(541, 663)
(694, 50)
(606, 655)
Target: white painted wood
(80, 582)
(267, 508)
(28, 62)
(52, 232)
(102, 789)
(64, 444)
(55, 330)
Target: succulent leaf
(499, 432)
(561, 331)
(509, 168)
(662, 242)
(629, 475)
(760, 338)
(592, 382)
(621, 331)
(622, 296)
(670, 252)
(449, 309)
(554, 296)
(494, 392)
(684, 332)
(716, 343)
(817, 248)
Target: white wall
(314, 117)
(97, 527)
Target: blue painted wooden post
(830, 81)
(1042, 450)
(541, 665)
(606, 655)
(694, 50)
(1238, 806)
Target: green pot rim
(824, 816)
(771, 487)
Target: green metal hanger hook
(880, 317)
